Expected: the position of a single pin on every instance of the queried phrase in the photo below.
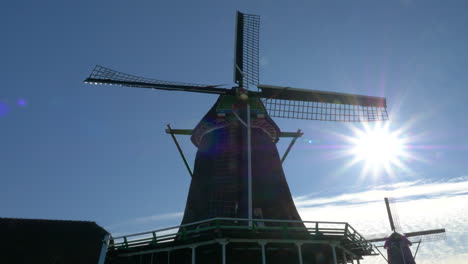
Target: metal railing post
(262, 244)
(125, 242)
(334, 254)
(102, 255)
(223, 249)
(299, 252)
(155, 239)
(194, 252)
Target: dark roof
(50, 241)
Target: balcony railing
(335, 232)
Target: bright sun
(379, 149)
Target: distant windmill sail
(389, 213)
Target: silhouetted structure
(239, 201)
(38, 241)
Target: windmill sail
(395, 216)
(246, 62)
(389, 213)
(297, 103)
(103, 75)
(427, 235)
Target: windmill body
(219, 183)
(238, 193)
(398, 249)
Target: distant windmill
(238, 172)
(397, 244)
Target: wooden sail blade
(246, 60)
(389, 213)
(103, 75)
(296, 103)
(394, 214)
(380, 239)
(427, 235)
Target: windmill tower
(398, 243)
(238, 172)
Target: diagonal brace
(298, 134)
(415, 253)
(169, 129)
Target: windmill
(237, 171)
(398, 243)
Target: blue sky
(74, 151)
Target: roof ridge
(51, 220)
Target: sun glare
(379, 149)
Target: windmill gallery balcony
(235, 240)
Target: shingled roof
(50, 241)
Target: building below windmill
(43, 241)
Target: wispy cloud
(140, 223)
(402, 191)
(158, 217)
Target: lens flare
(4, 109)
(21, 102)
(377, 147)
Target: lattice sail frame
(246, 65)
(101, 73)
(395, 215)
(324, 111)
(428, 237)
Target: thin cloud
(158, 217)
(138, 221)
(402, 191)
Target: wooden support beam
(297, 134)
(188, 132)
(170, 131)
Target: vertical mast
(249, 165)
(246, 52)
